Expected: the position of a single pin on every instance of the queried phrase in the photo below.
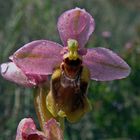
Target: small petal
(12, 73)
(53, 130)
(75, 24)
(105, 65)
(23, 126)
(27, 131)
(38, 57)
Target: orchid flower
(27, 130)
(70, 65)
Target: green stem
(42, 112)
(40, 105)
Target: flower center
(72, 50)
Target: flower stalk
(43, 114)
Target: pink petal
(53, 130)
(12, 73)
(105, 65)
(75, 24)
(27, 131)
(38, 57)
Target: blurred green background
(116, 105)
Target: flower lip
(71, 68)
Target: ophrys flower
(71, 66)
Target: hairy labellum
(72, 82)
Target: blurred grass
(116, 105)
